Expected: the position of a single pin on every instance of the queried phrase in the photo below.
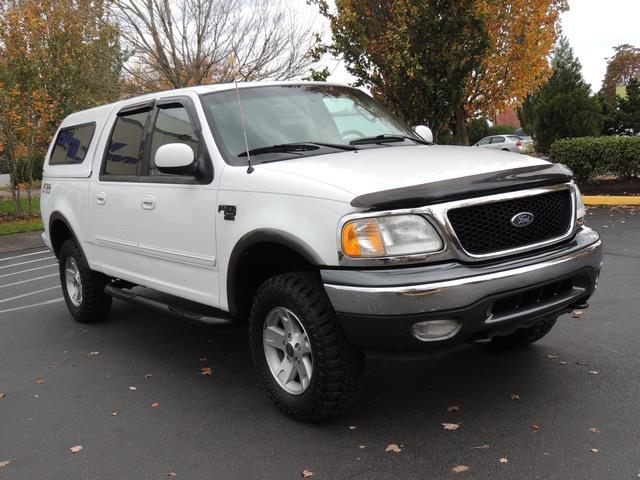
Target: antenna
(244, 129)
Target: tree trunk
(461, 136)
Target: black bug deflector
(464, 187)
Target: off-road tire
(336, 364)
(95, 304)
(526, 336)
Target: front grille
(487, 227)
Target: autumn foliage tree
(56, 57)
(621, 69)
(522, 35)
(414, 55)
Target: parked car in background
(507, 143)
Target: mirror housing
(174, 158)
(424, 133)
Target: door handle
(101, 198)
(149, 202)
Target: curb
(611, 200)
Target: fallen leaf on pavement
(576, 314)
(514, 396)
(132, 388)
(504, 460)
(594, 450)
(459, 469)
(203, 359)
(306, 473)
(352, 427)
(206, 371)
(450, 426)
(593, 372)
(93, 354)
(481, 447)
(148, 375)
(362, 446)
(453, 408)
(594, 430)
(535, 427)
(392, 447)
(4, 463)
(551, 357)
(562, 363)
(40, 381)
(155, 405)
(582, 363)
(2, 395)
(171, 474)
(115, 413)
(76, 449)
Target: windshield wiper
(296, 147)
(387, 138)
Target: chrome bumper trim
(459, 292)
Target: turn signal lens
(388, 236)
(362, 238)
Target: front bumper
(377, 308)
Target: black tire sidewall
(262, 308)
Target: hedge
(589, 157)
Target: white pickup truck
(312, 213)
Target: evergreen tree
(564, 107)
(628, 113)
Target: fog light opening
(430, 330)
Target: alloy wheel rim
(287, 350)
(73, 281)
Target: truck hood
(385, 168)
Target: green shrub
(501, 130)
(592, 156)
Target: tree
(56, 57)
(564, 107)
(621, 69)
(414, 55)
(175, 44)
(522, 35)
(628, 112)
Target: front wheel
(83, 288)
(525, 336)
(304, 361)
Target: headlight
(389, 236)
(581, 210)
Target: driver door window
(172, 125)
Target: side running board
(184, 308)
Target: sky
(593, 27)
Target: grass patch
(10, 224)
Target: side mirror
(173, 157)
(424, 132)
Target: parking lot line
(29, 261)
(25, 255)
(29, 293)
(28, 270)
(29, 280)
(14, 309)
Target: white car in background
(507, 143)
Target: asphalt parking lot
(131, 392)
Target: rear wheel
(302, 357)
(83, 289)
(525, 336)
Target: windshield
(324, 115)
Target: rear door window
(126, 145)
(497, 140)
(71, 144)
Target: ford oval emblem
(522, 219)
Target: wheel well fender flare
(263, 236)
(57, 217)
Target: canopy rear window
(71, 144)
